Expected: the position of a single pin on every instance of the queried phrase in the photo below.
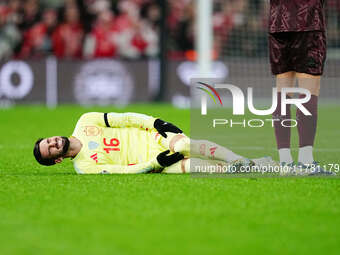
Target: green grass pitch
(54, 211)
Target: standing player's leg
(282, 133)
(281, 66)
(307, 124)
(309, 67)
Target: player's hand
(163, 127)
(164, 160)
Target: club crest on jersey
(92, 131)
(93, 145)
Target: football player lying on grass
(129, 143)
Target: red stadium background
(110, 52)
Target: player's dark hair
(39, 158)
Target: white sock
(285, 156)
(231, 156)
(306, 155)
(209, 150)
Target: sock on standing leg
(282, 133)
(307, 130)
(285, 155)
(306, 155)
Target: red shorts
(302, 52)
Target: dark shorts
(302, 52)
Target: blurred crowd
(240, 27)
(130, 28)
(79, 28)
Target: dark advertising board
(117, 82)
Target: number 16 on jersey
(112, 145)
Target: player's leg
(205, 149)
(198, 148)
(181, 167)
(309, 67)
(281, 66)
(197, 165)
(283, 133)
(307, 124)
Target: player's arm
(140, 120)
(117, 169)
(122, 120)
(129, 119)
(118, 120)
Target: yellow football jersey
(116, 143)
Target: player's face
(54, 147)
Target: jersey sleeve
(118, 120)
(145, 167)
